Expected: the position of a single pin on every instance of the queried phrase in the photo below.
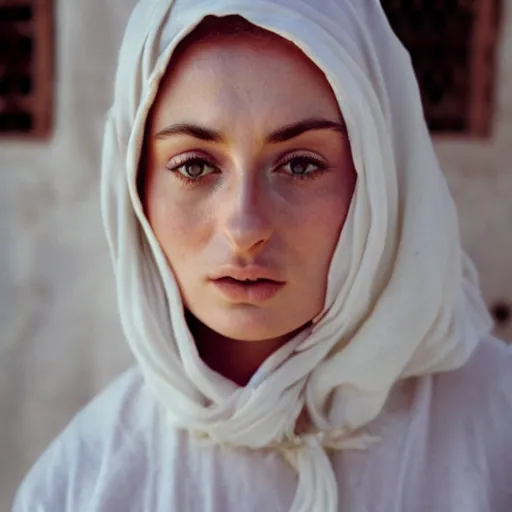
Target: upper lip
(248, 273)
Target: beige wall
(480, 177)
(60, 340)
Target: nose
(248, 220)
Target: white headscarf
(402, 299)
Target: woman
(309, 334)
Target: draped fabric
(402, 297)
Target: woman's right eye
(193, 168)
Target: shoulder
(64, 477)
(447, 438)
(484, 381)
(471, 411)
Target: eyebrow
(284, 134)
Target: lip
(251, 284)
(251, 272)
(249, 292)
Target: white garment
(446, 447)
(402, 297)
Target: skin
(247, 207)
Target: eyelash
(188, 159)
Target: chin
(250, 325)
(246, 331)
(249, 328)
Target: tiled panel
(452, 45)
(25, 68)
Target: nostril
(501, 312)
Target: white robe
(446, 446)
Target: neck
(234, 359)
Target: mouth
(246, 281)
(247, 290)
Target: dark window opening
(452, 45)
(26, 68)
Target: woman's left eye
(302, 166)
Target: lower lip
(249, 293)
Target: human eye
(302, 165)
(191, 167)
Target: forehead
(218, 77)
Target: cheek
(318, 222)
(178, 227)
(323, 223)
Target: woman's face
(248, 177)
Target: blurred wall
(480, 176)
(60, 340)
